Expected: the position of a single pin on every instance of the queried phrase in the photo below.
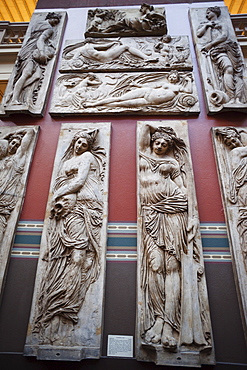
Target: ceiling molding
(17, 10)
(236, 6)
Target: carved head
(14, 142)
(53, 18)
(229, 136)
(146, 8)
(176, 144)
(161, 141)
(173, 76)
(213, 9)
(82, 142)
(166, 38)
(84, 139)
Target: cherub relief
(172, 51)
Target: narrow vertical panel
(173, 321)
(230, 145)
(220, 59)
(66, 316)
(17, 146)
(30, 81)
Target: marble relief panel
(171, 92)
(127, 54)
(230, 144)
(173, 325)
(220, 58)
(30, 80)
(17, 145)
(145, 21)
(66, 315)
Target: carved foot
(153, 335)
(87, 105)
(167, 338)
(15, 102)
(152, 60)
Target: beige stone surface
(128, 93)
(17, 145)
(173, 322)
(127, 54)
(230, 145)
(146, 20)
(30, 81)
(66, 315)
(221, 63)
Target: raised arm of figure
(26, 141)
(76, 183)
(43, 59)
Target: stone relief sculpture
(136, 83)
(173, 323)
(66, 316)
(150, 93)
(98, 54)
(220, 58)
(16, 150)
(230, 145)
(29, 82)
(126, 22)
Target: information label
(120, 346)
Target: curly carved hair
(227, 133)
(216, 10)
(53, 15)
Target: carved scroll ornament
(146, 21)
(173, 320)
(220, 59)
(230, 145)
(16, 151)
(30, 80)
(150, 93)
(67, 304)
(145, 53)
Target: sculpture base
(179, 357)
(22, 108)
(60, 353)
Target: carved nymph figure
(31, 62)
(171, 267)
(13, 150)
(224, 58)
(73, 232)
(95, 51)
(163, 92)
(231, 137)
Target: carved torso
(156, 179)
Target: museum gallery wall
(123, 180)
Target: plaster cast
(173, 313)
(220, 59)
(67, 307)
